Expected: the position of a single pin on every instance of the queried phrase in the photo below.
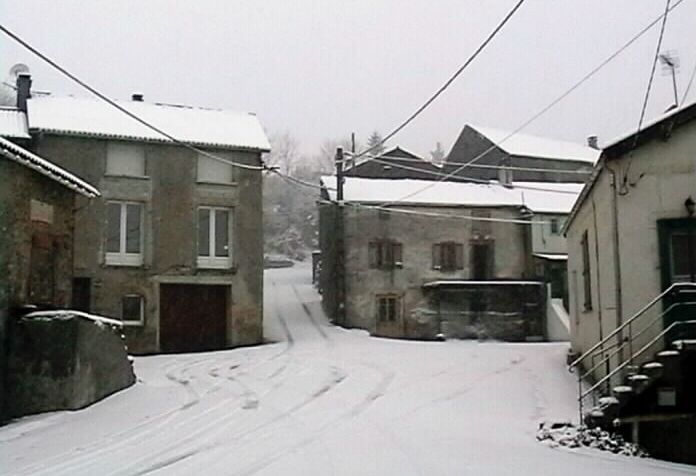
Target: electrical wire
(477, 166)
(292, 181)
(471, 179)
(553, 103)
(447, 84)
(688, 86)
(116, 105)
(623, 190)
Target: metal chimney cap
(138, 97)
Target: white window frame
(141, 320)
(121, 258)
(216, 262)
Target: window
(214, 232)
(587, 284)
(133, 309)
(388, 308)
(385, 254)
(124, 234)
(214, 171)
(681, 252)
(554, 226)
(125, 159)
(448, 256)
(482, 262)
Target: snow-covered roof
(647, 125)
(24, 157)
(13, 123)
(96, 118)
(533, 146)
(540, 197)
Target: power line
(623, 188)
(468, 179)
(553, 103)
(688, 86)
(448, 82)
(114, 104)
(293, 181)
(477, 166)
(652, 69)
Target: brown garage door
(192, 317)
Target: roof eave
(96, 135)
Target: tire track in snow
(93, 450)
(252, 401)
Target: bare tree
(284, 153)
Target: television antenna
(670, 65)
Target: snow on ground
(323, 401)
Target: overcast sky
(321, 69)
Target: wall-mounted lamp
(690, 206)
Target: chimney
(137, 97)
(592, 142)
(23, 90)
(505, 174)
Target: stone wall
(36, 251)
(63, 363)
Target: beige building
(629, 235)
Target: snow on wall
(90, 117)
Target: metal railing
(622, 340)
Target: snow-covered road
(322, 401)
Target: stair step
(668, 353)
(684, 344)
(607, 401)
(653, 366)
(623, 390)
(639, 378)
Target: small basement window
(133, 310)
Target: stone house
(528, 158)
(451, 259)
(173, 248)
(37, 212)
(631, 239)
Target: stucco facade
(624, 249)
(170, 195)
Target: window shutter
(459, 251)
(437, 263)
(372, 255)
(398, 253)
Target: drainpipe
(617, 258)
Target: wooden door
(193, 317)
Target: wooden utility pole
(340, 243)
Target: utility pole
(340, 243)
